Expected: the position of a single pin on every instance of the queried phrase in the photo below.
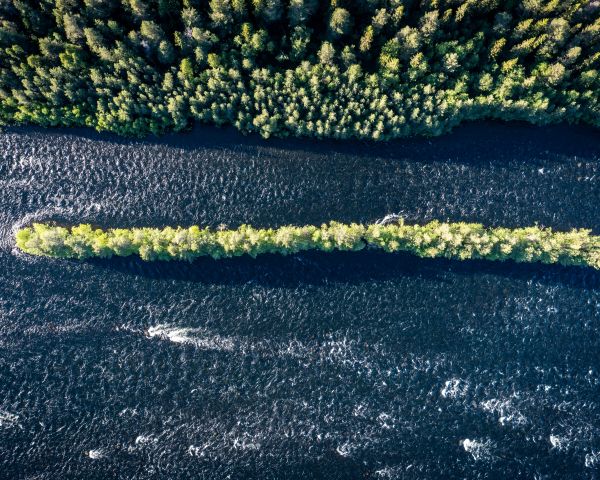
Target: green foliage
(435, 239)
(375, 69)
(340, 21)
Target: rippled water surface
(331, 366)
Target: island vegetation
(375, 69)
(435, 239)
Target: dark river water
(314, 366)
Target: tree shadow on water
(486, 141)
(320, 268)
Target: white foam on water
(294, 349)
(195, 451)
(479, 449)
(15, 252)
(245, 443)
(8, 419)
(143, 440)
(387, 472)
(396, 472)
(51, 329)
(96, 454)
(7, 236)
(385, 421)
(390, 218)
(198, 337)
(128, 328)
(41, 215)
(350, 353)
(507, 413)
(73, 212)
(339, 351)
(225, 443)
(360, 410)
(454, 388)
(559, 443)
(345, 449)
(334, 349)
(128, 412)
(592, 459)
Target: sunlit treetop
(365, 68)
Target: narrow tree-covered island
(356, 356)
(435, 239)
(375, 69)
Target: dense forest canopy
(339, 68)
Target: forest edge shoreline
(366, 70)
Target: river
(357, 365)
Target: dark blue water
(315, 366)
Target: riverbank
(435, 239)
(332, 365)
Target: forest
(458, 240)
(369, 69)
